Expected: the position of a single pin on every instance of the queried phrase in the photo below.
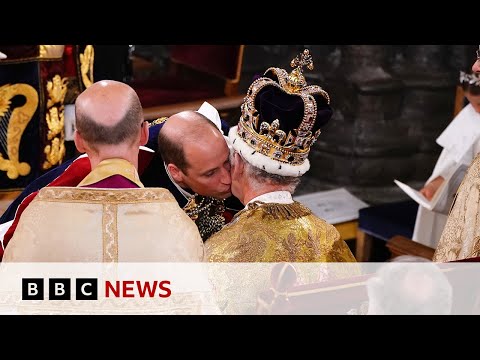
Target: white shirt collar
(184, 192)
(279, 197)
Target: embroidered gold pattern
(51, 51)
(110, 234)
(109, 198)
(160, 120)
(54, 153)
(12, 128)
(476, 247)
(282, 211)
(56, 89)
(55, 122)
(90, 195)
(54, 117)
(460, 238)
(86, 65)
(276, 233)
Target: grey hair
(259, 176)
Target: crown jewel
(267, 138)
(472, 79)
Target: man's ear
(144, 134)
(79, 142)
(176, 173)
(239, 164)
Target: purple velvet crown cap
(273, 103)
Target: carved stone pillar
(428, 101)
(363, 132)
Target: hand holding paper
(415, 195)
(444, 195)
(430, 189)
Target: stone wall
(390, 104)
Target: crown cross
(296, 81)
(304, 59)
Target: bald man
(193, 158)
(110, 135)
(196, 154)
(115, 218)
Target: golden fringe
(281, 211)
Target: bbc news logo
(87, 289)
(59, 289)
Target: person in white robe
(461, 143)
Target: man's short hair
(261, 176)
(126, 129)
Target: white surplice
(461, 143)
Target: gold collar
(110, 167)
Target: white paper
(443, 198)
(334, 206)
(417, 195)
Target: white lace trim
(278, 197)
(184, 192)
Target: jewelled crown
(472, 79)
(281, 119)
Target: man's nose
(226, 178)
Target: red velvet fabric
(144, 158)
(202, 75)
(113, 182)
(170, 90)
(69, 61)
(218, 60)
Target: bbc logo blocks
(60, 289)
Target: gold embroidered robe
(67, 224)
(275, 233)
(460, 238)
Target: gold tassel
(281, 211)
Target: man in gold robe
(109, 216)
(281, 119)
